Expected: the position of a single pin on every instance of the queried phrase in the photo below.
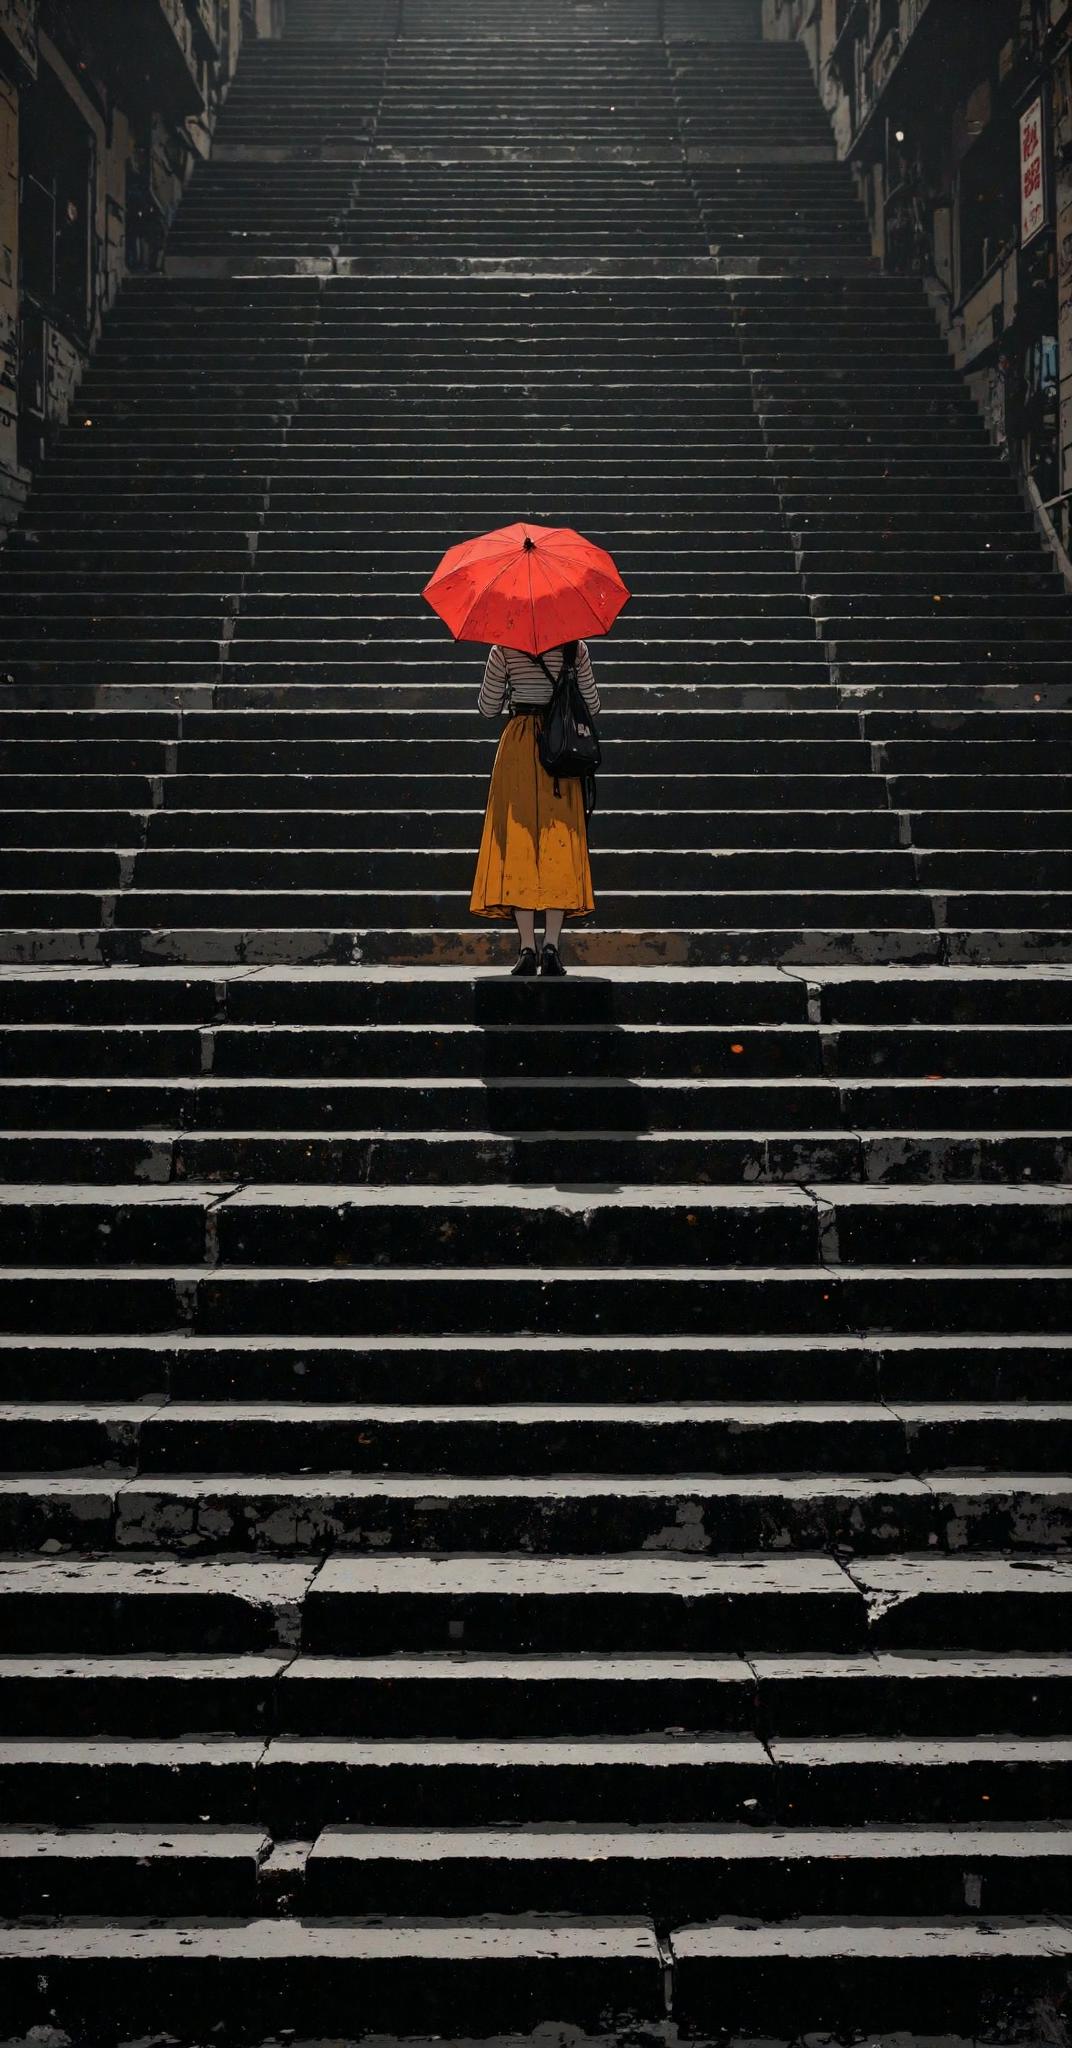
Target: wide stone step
(540, 1045)
(759, 1112)
(135, 1604)
(895, 1691)
(689, 592)
(732, 995)
(362, 1606)
(770, 1300)
(844, 763)
(119, 1606)
(299, 1786)
(408, 1694)
(380, 828)
(94, 1870)
(675, 1872)
(532, 1604)
(498, 1049)
(974, 943)
(904, 1972)
(951, 791)
(820, 1366)
(690, 869)
(507, 1974)
(66, 1696)
(360, 1227)
(111, 451)
(504, 1975)
(527, 1157)
(109, 462)
(366, 996)
(138, 1603)
(1025, 1514)
(411, 914)
(824, 946)
(666, 1871)
(279, 1437)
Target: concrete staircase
(526, 1505)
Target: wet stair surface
(532, 1505)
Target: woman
(534, 847)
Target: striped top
(526, 679)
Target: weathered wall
(148, 130)
(18, 52)
(10, 489)
(1062, 138)
(18, 24)
(925, 100)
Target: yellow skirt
(534, 846)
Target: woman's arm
(493, 687)
(586, 679)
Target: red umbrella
(527, 586)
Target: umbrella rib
(506, 567)
(564, 553)
(589, 606)
(532, 608)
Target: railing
(1047, 526)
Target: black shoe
(550, 962)
(526, 962)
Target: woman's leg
(526, 926)
(552, 927)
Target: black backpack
(568, 741)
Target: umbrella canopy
(526, 586)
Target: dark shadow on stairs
(557, 1066)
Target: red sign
(1032, 174)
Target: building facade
(957, 120)
(105, 107)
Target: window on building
(989, 193)
(56, 176)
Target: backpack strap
(508, 692)
(565, 669)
